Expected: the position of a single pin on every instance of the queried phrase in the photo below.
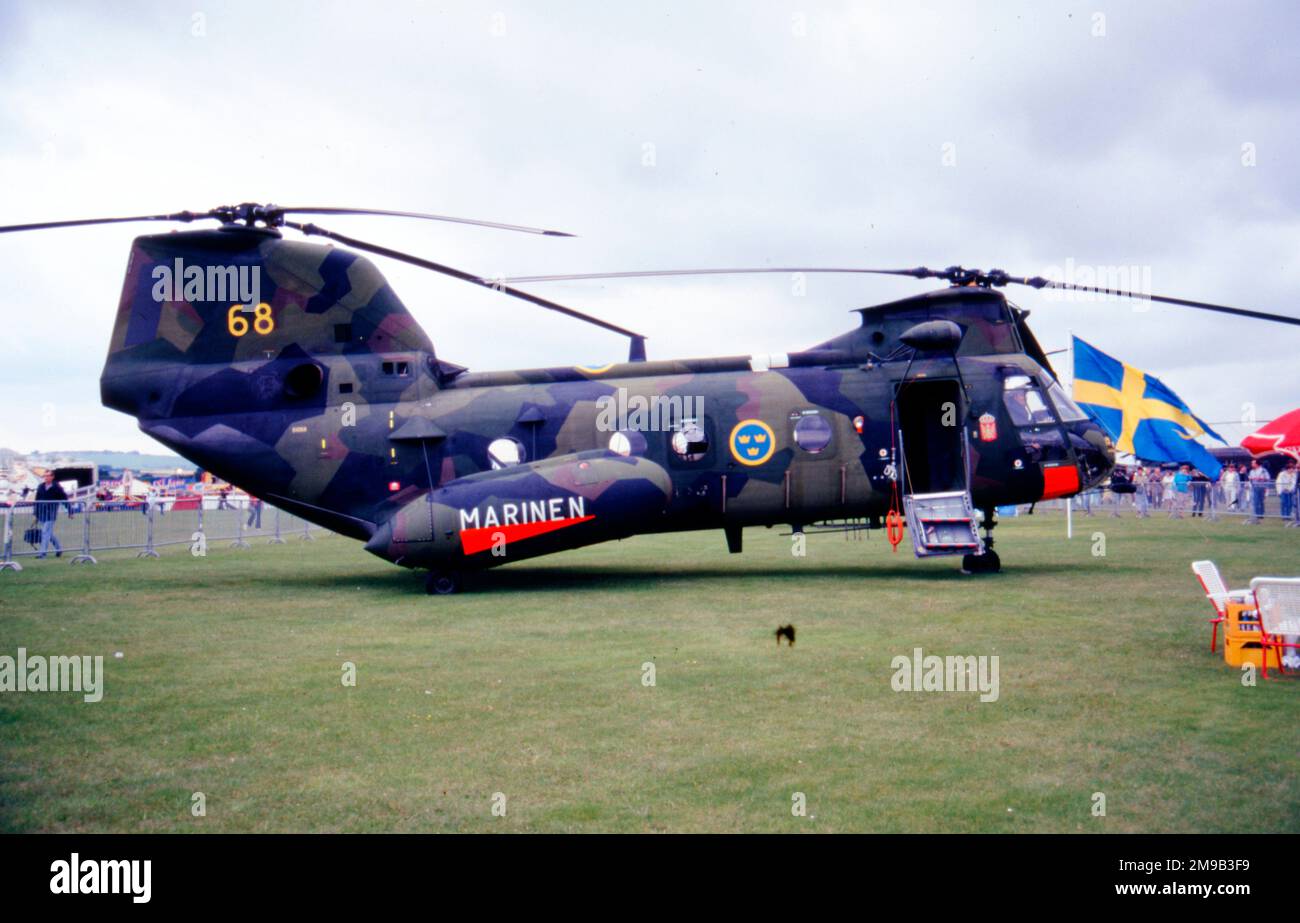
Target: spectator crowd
(1185, 491)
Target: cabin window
(342, 333)
(690, 442)
(505, 453)
(627, 442)
(396, 369)
(812, 432)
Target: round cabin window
(627, 442)
(812, 433)
(505, 453)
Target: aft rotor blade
(82, 222)
(642, 274)
(497, 285)
(314, 210)
(1040, 282)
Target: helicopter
(292, 370)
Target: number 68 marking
(238, 325)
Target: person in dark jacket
(1200, 490)
(48, 497)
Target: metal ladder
(941, 523)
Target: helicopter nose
(1096, 454)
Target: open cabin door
(936, 468)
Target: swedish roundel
(752, 442)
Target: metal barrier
(80, 528)
(1252, 503)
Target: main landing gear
(441, 583)
(988, 562)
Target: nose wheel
(988, 562)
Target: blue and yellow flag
(1140, 413)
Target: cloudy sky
(1026, 136)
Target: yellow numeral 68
(237, 323)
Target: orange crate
(1241, 637)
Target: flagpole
(1069, 507)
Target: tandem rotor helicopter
(320, 393)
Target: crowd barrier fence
(82, 527)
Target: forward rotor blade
(1040, 282)
(81, 222)
(638, 340)
(581, 276)
(313, 210)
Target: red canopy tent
(1280, 435)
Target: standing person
(1141, 500)
(1181, 482)
(48, 497)
(1230, 487)
(254, 512)
(1295, 501)
(1286, 481)
(1167, 497)
(1120, 484)
(1259, 480)
(222, 496)
(1200, 489)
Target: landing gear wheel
(986, 563)
(441, 583)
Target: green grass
(530, 685)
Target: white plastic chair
(1278, 602)
(1219, 595)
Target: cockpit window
(1067, 409)
(1026, 405)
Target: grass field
(530, 685)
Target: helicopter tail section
(239, 350)
(198, 302)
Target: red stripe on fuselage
(473, 541)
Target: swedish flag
(1138, 410)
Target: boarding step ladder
(942, 523)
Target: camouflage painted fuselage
(330, 402)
